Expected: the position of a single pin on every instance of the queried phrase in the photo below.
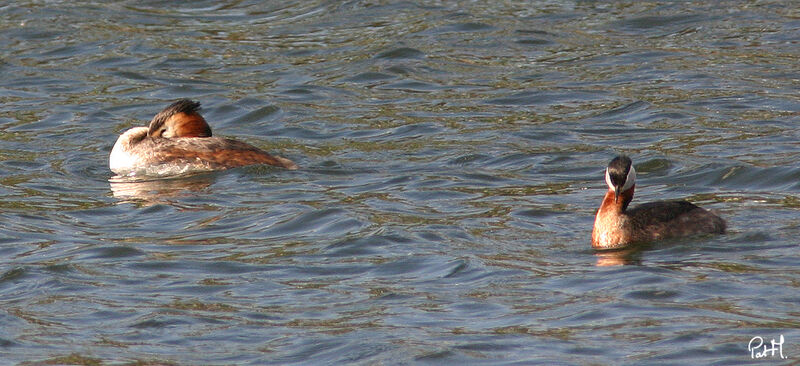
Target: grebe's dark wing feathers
(674, 218)
(661, 210)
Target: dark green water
(451, 157)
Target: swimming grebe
(179, 140)
(616, 227)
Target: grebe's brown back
(178, 140)
(615, 226)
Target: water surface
(451, 159)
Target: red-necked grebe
(615, 226)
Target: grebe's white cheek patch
(630, 180)
(608, 181)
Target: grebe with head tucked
(616, 227)
(179, 140)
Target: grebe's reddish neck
(621, 180)
(616, 226)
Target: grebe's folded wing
(675, 218)
(214, 153)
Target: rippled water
(451, 161)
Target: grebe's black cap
(618, 169)
(620, 175)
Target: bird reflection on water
(158, 190)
